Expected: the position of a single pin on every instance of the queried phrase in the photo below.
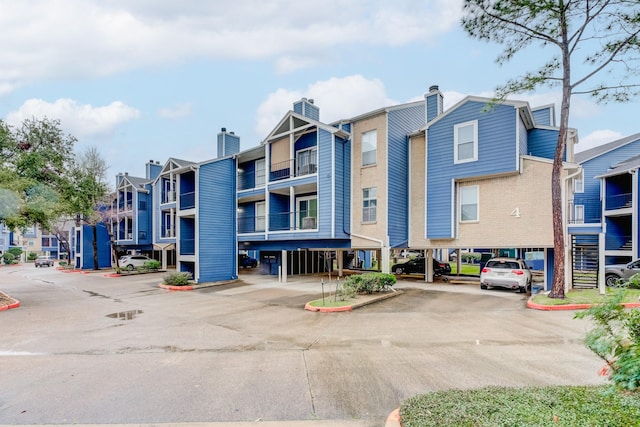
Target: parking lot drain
(125, 315)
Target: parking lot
(84, 348)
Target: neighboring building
(82, 247)
(605, 208)
(480, 177)
(379, 190)
(293, 194)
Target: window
(369, 204)
(578, 214)
(578, 183)
(260, 173)
(369, 147)
(307, 213)
(169, 194)
(465, 146)
(168, 221)
(306, 161)
(469, 203)
(260, 216)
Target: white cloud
(80, 120)
(337, 98)
(178, 111)
(597, 138)
(88, 38)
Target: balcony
(283, 170)
(168, 197)
(188, 200)
(285, 221)
(187, 247)
(168, 233)
(584, 211)
(620, 201)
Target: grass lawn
(535, 406)
(472, 269)
(586, 296)
(329, 302)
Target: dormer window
(465, 148)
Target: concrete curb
(394, 419)
(196, 286)
(351, 307)
(14, 304)
(533, 305)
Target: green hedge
(370, 282)
(177, 278)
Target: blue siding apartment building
(313, 195)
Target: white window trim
(477, 189)
(473, 123)
(310, 149)
(578, 183)
(263, 176)
(362, 148)
(578, 219)
(369, 199)
(260, 227)
(301, 199)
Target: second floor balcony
(584, 211)
(285, 221)
(188, 200)
(619, 201)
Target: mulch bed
(6, 301)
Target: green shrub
(346, 291)
(634, 281)
(370, 282)
(178, 278)
(32, 256)
(62, 263)
(9, 258)
(16, 252)
(470, 257)
(152, 265)
(615, 338)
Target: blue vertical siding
(401, 122)
(217, 221)
(542, 143)
(497, 149)
(153, 170)
(228, 144)
(599, 165)
(434, 106)
(248, 175)
(307, 109)
(104, 247)
(278, 212)
(343, 188)
(326, 169)
(544, 116)
(306, 141)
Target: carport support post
(428, 274)
(339, 255)
(164, 259)
(601, 282)
(284, 266)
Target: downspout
(568, 273)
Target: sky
(152, 79)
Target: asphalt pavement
(87, 349)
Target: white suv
(42, 261)
(510, 273)
(130, 262)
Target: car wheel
(611, 279)
(399, 270)
(483, 286)
(522, 289)
(130, 267)
(36, 265)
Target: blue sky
(153, 79)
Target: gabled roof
(594, 152)
(299, 122)
(382, 110)
(625, 166)
(523, 106)
(136, 182)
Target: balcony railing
(187, 247)
(584, 211)
(285, 221)
(620, 201)
(290, 168)
(169, 197)
(168, 233)
(188, 200)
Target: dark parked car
(245, 261)
(613, 273)
(417, 266)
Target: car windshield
(503, 264)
